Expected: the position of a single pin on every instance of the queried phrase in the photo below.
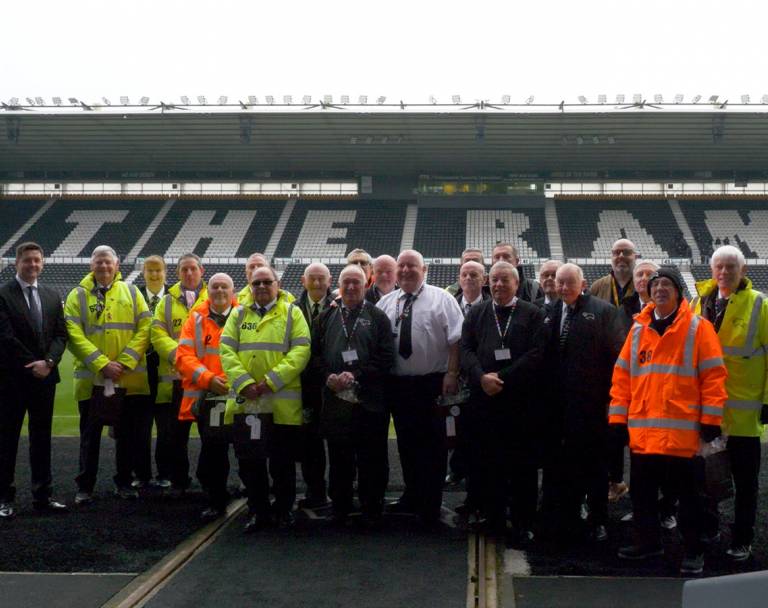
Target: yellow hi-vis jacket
(170, 314)
(274, 348)
(115, 329)
(744, 337)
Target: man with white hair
(547, 274)
(580, 354)
(427, 327)
(352, 356)
(384, 268)
(740, 316)
(108, 323)
(617, 285)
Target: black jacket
(19, 343)
(310, 390)
(578, 394)
(630, 306)
(485, 295)
(372, 339)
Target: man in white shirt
(426, 322)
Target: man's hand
(450, 384)
(491, 384)
(112, 370)
(251, 392)
(219, 386)
(334, 383)
(39, 369)
(346, 379)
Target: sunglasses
(265, 282)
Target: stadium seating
(743, 223)
(62, 277)
(73, 228)
(446, 232)
(589, 228)
(217, 228)
(757, 274)
(334, 228)
(14, 214)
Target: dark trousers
(142, 431)
(213, 470)
(35, 398)
(172, 446)
(313, 461)
(285, 444)
(617, 441)
(648, 475)
(91, 429)
(420, 441)
(363, 451)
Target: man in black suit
(501, 351)
(33, 336)
(581, 352)
(547, 274)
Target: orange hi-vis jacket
(665, 387)
(197, 356)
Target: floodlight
(30, 101)
(270, 99)
(327, 98)
(14, 101)
(697, 99)
(579, 139)
(505, 99)
(222, 100)
(124, 100)
(185, 100)
(253, 100)
(201, 100)
(144, 101)
(57, 101)
(745, 99)
(679, 98)
(602, 98)
(73, 101)
(582, 99)
(658, 98)
(345, 99)
(637, 98)
(456, 98)
(619, 98)
(713, 99)
(529, 101)
(40, 101)
(764, 99)
(307, 99)
(287, 100)
(381, 99)
(106, 101)
(363, 99)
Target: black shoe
(598, 534)
(126, 492)
(50, 506)
(6, 510)
(313, 502)
(255, 523)
(400, 506)
(638, 552)
(212, 513)
(285, 521)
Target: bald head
(410, 270)
(384, 269)
(221, 291)
(471, 280)
(623, 256)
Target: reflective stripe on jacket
(113, 329)
(665, 387)
(744, 337)
(197, 357)
(274, 348)
(170, 314)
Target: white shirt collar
(547, 299)
(658, 317)
(403, 293)
(24, 284)
(225, 313)
(464, 301)
(157, 295)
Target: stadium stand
(589, 228)
(757, 274)
(446, 232)
(743, 223)
(73, 228)
(215, 228)
(334, 228)
(14, 214)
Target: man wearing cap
(740, 316)
(668, 391)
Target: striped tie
(566, 328)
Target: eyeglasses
(265, 282)
(625, 252)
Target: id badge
(502, 354)
(349, 356)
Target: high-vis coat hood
(665, 387)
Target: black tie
(406, 347)
(467, 306)
(34, 310)
(566, 328)
(262, 310)
(720, 305)
(315, 309)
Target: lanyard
(407, 308)
(509, 320)
(349, 335)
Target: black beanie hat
(673, 274)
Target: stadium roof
(687, 140)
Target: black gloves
(710, 432)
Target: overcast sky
(402, 49)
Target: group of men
(518, 374)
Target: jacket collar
(709, 286)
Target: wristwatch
(50, 363)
